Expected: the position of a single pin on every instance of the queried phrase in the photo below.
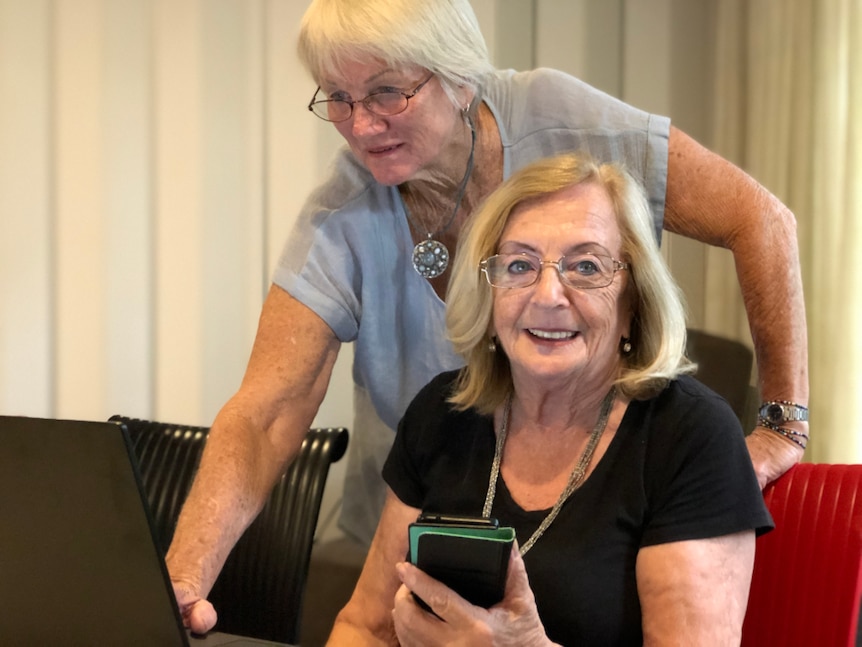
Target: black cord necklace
(430, 256)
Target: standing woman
(431, 129)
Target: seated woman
(628, 482)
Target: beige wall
(153, 155)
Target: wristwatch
(777, 413)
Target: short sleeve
(699, 480)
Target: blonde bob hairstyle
(443, 36)
(658, 315)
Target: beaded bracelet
(791, 434)
(788, 403)
(765, 422)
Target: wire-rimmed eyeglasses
(383, 103)
(584, 270)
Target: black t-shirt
(677, 469)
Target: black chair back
(260, 590)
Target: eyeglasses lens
(383, 104)
(522, 270)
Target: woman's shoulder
(543, 110)
(348, 185)
(527, 82)
(685, 414)
(687, 390)
(557, 95)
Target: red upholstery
(808, 571)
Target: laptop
(79, 564)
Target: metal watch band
(779, 412)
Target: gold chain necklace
(576, 478)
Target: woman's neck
(570, 405)
(430, 202)
(434, 192)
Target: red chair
(807, 582)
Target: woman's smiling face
(396, 148)
(550, 331)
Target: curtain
(789, 105)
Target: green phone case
(472, 561)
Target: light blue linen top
(349, 257)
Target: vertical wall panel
(26, 384)
(80, 209)
(292, 146)
(486, 14)
(647, 26)
(583, 38)
(254, 150)
(514, 31)
(561, 35)
(179, 228)
(229, 117)
(127, 136)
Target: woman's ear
(625, 345)
(465, 96)
(492, 340)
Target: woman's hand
(197, 613)
(514, 621)
(771, 454)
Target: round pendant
(430, 258)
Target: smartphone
(468, 554)
(455, 520)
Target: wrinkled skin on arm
(695, 592)
(711, 200)
(367, 617)
(251, 442)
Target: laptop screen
(78, 562)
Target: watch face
(774, 413)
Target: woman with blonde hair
(627, 482)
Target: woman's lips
(383, 149)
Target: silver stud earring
(492, 346)
(626, 345)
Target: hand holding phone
(470, 555)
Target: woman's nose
(550, 286)
(364, 120)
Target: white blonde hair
(442, 36)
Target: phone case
(468, 556)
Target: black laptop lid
(78, 562)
